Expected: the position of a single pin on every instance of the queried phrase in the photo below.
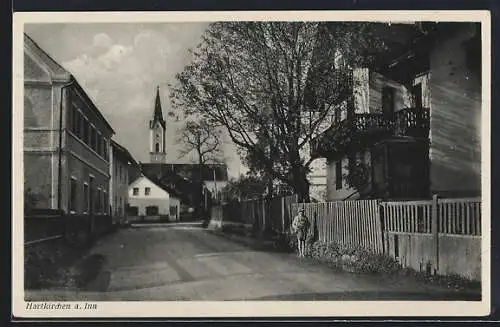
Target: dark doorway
(417, 95)
(132, 211)
(152, 211)
(388, 102)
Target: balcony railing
(412, 122)
(368, 128)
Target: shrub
(47, 264)
(285, 242)
(352, 259)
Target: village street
(186, 262)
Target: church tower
(157, 133)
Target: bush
(285, 242)
(352, 259)
(47, 264)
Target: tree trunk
(200, 189)
(270, 187)
(301, 185)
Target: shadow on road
(90, 275)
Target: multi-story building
(414, 127)
(66, 139)
(122, 163)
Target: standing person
(300, 226)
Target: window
(136, 191)
(93, 139)
(105, 202)
(388, 102)
(79, 119)
(86, 197)
(98, 204)
(147, 191)
(338, 174)
(98, 144)
(104, 148)
(417, 95)
(157, 147)
(74, 120)
(115, 204)
(72, 195)
(151, 210)
(86, 128)
(91, 195)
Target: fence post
(381, 208)
(435, 232)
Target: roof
(56, 68)
(181, 177)
(163, 185)
(170, 185)
(92, 105)
(158, 115)
(171, 190)
(123, 152)
(188, 171)
(61, 74)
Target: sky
(120, 65)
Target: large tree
(205, 141)
(245, 187)
(272, 85)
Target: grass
(55, 264)
(48, 265)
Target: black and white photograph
(280, 161)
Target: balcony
(412, 122)
(365, 129)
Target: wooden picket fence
(261, 213)
(459, 216)
(354, 223)
(442, 235)
(269, 214)
(453, 216)
(439, 235)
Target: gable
(34, 70)
(141, 183)
(54, 70)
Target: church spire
(157, 130)
(158, 115)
